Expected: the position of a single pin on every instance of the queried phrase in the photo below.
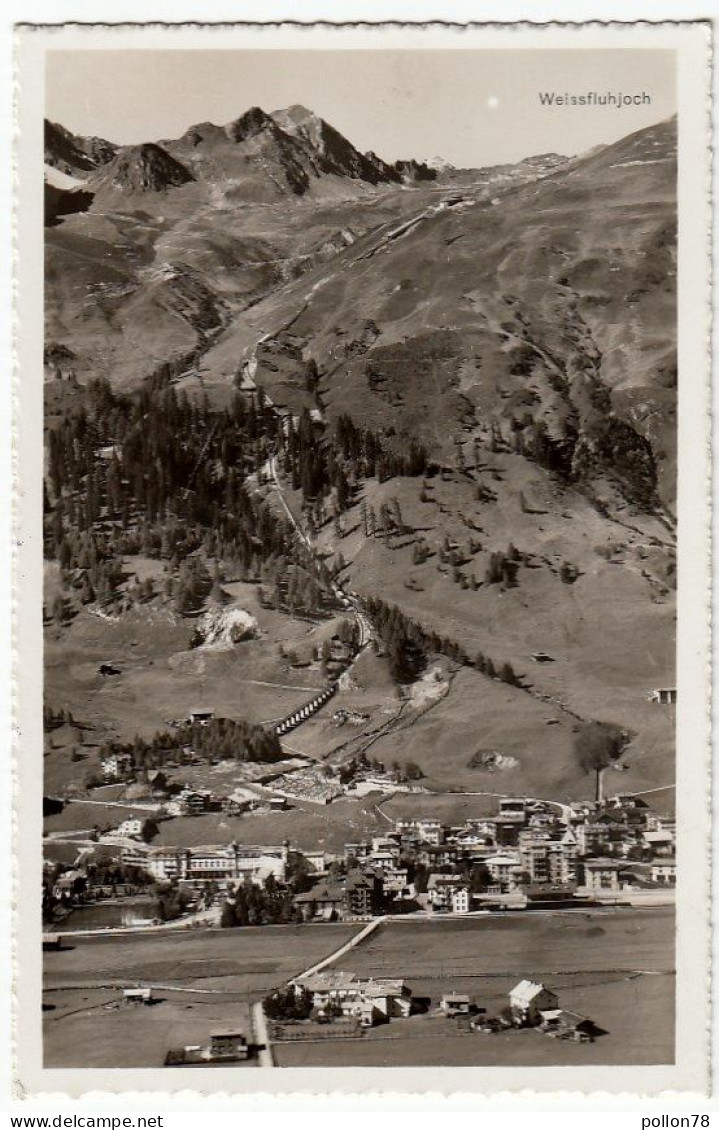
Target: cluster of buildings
(528, 851)
(522, 854)
(366, 1000)
(337, 995)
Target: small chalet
(228, 1044)
(116, 766)
(278, 803)
(194, 801)
(455, 1004)
(139, 995)
(201, 715)
(130, 828)
(628, 801)
(567, 1025)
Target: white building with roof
(528, 999)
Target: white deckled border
(691, 1072)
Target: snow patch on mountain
(62, 180)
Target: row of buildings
(531, 1004)
(522, 854)
(233, 863)
(367, 1000)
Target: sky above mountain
(472, 108)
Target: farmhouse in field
(332, 987)
(140, 995)
(227, 1045)
(528, 999)
(388, 997)
(455, 1004)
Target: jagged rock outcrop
(413, 171)
(143, 168)
(75, 155)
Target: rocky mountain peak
(145, 168)
(72, 154)
(249, 124)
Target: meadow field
(528, 944)
(612, 966)
(253, 959)
(208, 979)
(637, 1018)
(78, 1030)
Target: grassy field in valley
(253, 958)
(132, 1036)
(232, 967)
(615, 967)
(433, 1041)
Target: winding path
(355, 940)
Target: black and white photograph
(360, 538)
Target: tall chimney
(599, 797)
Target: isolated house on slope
(201, 714)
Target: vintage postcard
(362, 516)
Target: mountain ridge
(294, 148)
